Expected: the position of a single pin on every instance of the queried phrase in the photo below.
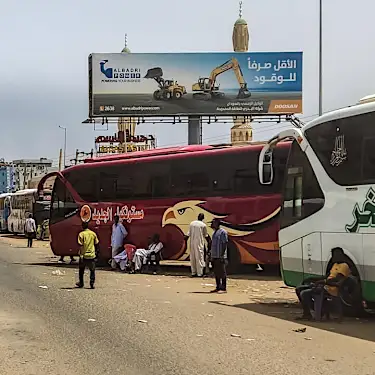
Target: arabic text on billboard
(148, 84)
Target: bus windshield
(345, 147)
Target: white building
(26, 170)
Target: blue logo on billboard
(119, 74)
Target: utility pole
(320, 58)
(62, 127)
(60, 159)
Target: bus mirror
(266, 167)
(267, 173)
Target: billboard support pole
(194, 130)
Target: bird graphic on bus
(183, 213)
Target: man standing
(219, 256)
(117, 239)
(30, 230)
(198, 234)
(89, 242)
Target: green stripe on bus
(293, 279)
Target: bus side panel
(292, 263)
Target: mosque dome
(240, 21)
(125, 50)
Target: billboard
(173, 84)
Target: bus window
(160, 179)
(345, 148)
(85, 182)
(62, 205)
(302, 194)
(108, 186)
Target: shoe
(79, 285)
(304, 317)
(92, 286)
(193, 275)
(61, 261)
(214, 291)
(222, 291)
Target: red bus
(163, 190)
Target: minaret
(125, 124)
(241, 131)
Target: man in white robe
(141, 255)
(197, 234)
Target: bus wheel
(351, 296)
(350, 291)
(234, 259)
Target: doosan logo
(286, 106)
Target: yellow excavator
(207, 88)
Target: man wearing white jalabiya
(141, 255)
(117, 239)
(197, 234)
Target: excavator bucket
(154, 73)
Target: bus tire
(234, 259)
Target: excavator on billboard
(207, 88)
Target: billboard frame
(93, 113)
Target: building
(26, 170)
(241, 131)
(6, 177)
(127, 124)
(34, 181)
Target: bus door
(64, 214)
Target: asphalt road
(188, 331)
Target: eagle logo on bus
(183, 213)
(364, 217)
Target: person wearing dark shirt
(219, 256)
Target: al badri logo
(108, 72)
(119, 74)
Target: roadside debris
(91, 320)
(43, 286)
(308, 338)
(235, 335)
(207, 284)
(199, 335)
(300, 330)
(58, 273)
(142, 321)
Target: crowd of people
(203, 251)
(313, 294)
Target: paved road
(188, 331)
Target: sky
(45, 45)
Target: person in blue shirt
(219, 256)
(117, 239)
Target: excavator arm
(228, 65)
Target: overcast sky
(45, 44)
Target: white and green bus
(328, 196)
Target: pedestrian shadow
(361, 328)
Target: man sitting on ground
(141, 255)
(338, 273)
